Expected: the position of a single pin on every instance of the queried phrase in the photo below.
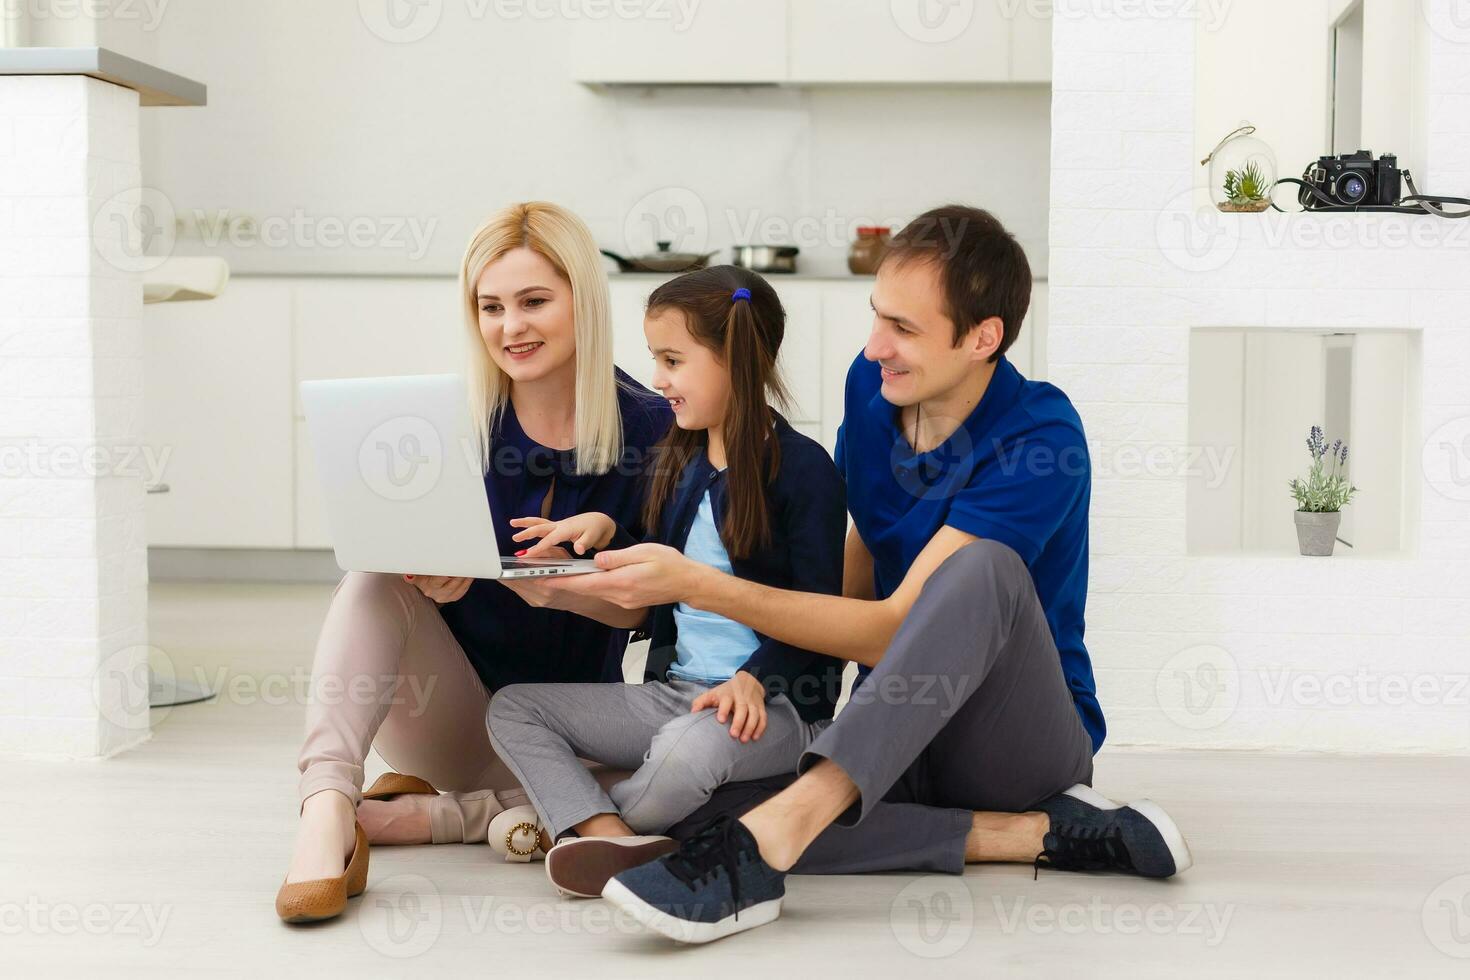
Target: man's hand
(637, 577)
(741, 696)
(440, 588)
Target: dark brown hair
(745, 335)
(982, 266)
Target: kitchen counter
(155, 87)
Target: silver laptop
(401, 480)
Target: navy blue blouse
(508, 641)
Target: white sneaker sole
(1169, 830)
(682, 930)
(1150, 811)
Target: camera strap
(1411, 203)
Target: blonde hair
(566, 242)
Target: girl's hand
(742, 696)
(582, 530)
(440, 588)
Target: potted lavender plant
(1321, 497)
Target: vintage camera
(1351, 180)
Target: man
(964, 587)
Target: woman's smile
(520, 352)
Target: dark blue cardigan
(808, 507)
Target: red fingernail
(522, 552)
(409, 577)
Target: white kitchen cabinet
(877, 41)
(311, 528)
(1030, 28)
(367, 327)
(217, 401)
(715, 41)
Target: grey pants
(680, 758)
(968, 710)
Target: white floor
(166, 859)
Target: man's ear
(985, 338)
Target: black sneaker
(1090, 832)
(714, 886)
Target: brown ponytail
(746, 336)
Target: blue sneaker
(1090, 832)
(714, 886)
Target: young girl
(736, 487)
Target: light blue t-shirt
(709, 648)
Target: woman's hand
(742, 696)
(584, 531)
(440, 588)
(535, 592)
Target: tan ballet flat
(392, 784)
(325, 898)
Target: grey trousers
(967, 710)
(680, 758)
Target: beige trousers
(389, 674)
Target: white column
(73, 558)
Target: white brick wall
(1249, 651)
(73, 561)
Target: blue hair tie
(741, 293)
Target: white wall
(1270, 62)
(1244, 651)
(310, 111)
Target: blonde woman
(406, 664)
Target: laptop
(400, 472)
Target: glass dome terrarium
(1242, 172)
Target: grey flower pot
(1316, 531)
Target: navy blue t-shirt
(1017, 471)
(508, 641)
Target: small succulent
(1325, 488)
(1246, 185)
